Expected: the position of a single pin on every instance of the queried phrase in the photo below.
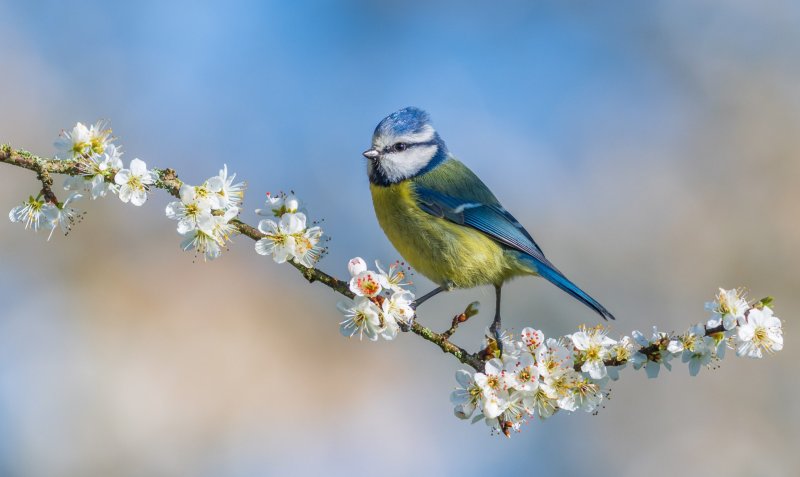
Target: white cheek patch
(397, 166)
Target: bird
(444, 221)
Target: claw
(495, 329)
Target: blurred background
(652, 148)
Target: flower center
(135, 183)
(303, 245)
(524, 375)
(760, 336)
(78, 147)
(593, 353)
(475, 393)
(690, 342)
(368, 285)
(360, 318)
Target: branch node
(471, 310)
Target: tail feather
(556, 278)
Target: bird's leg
(428, 295)
(495, 328)
(414, 304)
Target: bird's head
(404, 145)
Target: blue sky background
(650, 147)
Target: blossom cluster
(97, 159)
(37, 213)
(287, 232)
(96, 156)
(204, 213)
(537, 376)
(382, 303)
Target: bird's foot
(495, 329)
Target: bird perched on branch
(444, 221)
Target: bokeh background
(651, 147)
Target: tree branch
(533, 376)
(169, 182)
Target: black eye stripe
(407, 146)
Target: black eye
(400, 146)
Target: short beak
(371, 153)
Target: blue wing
(459, 196)
(491, 219)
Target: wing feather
(490, 219)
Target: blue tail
(555, 277)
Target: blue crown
(405, 121)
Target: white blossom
(189, 210)
(719, 343)
(727, 309)
(203, 241)
(280, 204)
(133, 182)
(652, 363)
(543, 402)
(99, 137)
(208, 194)
(364, 282)
(561, 385)
(698, 352)
(521, 373)
(74, 143)
(620, 352)
(583, 395)
(393, 277)
(532, 338)
(468, 396)
(595, 349)
(514, 414)
(31, 213)
(356, 265)
(760, 333)
(362, 318)
(367, 283)
(228, 193)
(491, 382)
(289, 239)
(210, 234)
(306, 246)
(280, 240)
(95, 170)
(397, 308)
(61, 215)
(552, 358)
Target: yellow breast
(445, 252)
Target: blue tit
(443, 219)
